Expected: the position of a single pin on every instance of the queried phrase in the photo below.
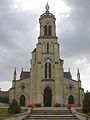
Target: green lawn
(4, 112)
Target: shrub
(14, 107)
(38, 105)
(86, 103)
(63, 105)
(57, 105)
(4, 99)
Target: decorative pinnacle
(47, 7)
(15, 71)
(78, 75)
(14, 74)
(68, 69)
(78, 71)
(22, 69)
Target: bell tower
(47, 24)
(46, 67)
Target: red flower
(38, 105)
(31, 106)
(57, 105)
(71, 105)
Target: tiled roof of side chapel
(24, 74)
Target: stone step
(51, 114)
(51, 118)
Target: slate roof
(25, 74)
(4, 93)
(67, 75)
(34, 50)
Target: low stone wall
(80, 116)
(21, 116)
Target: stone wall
(80, 116)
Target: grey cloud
(19, 31)
(5, 6)
(74, 30)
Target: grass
(4, 112)
(24, 110)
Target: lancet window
(47, 30)
(48, 69)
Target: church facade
(46, 83)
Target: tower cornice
(47, 37)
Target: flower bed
(57, 105)
(34, 105)
(31, 106)
(71, 105)
(37, 105)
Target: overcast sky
(19, 29)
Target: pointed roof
(34, 50)
(24, 74)
(67, 75)
(4, 93)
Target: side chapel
(46, 82)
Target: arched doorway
(71, 100)
(22, 100)
(47, 97)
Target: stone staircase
(51, 113)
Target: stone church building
(46, 83)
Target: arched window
(22, 100)
(49, 30)
(45, 30)
(47, 69)
(47, 47)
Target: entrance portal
(22, 100)
(47, 97)
(70, 100)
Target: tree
(14, 107)
(86, 102)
